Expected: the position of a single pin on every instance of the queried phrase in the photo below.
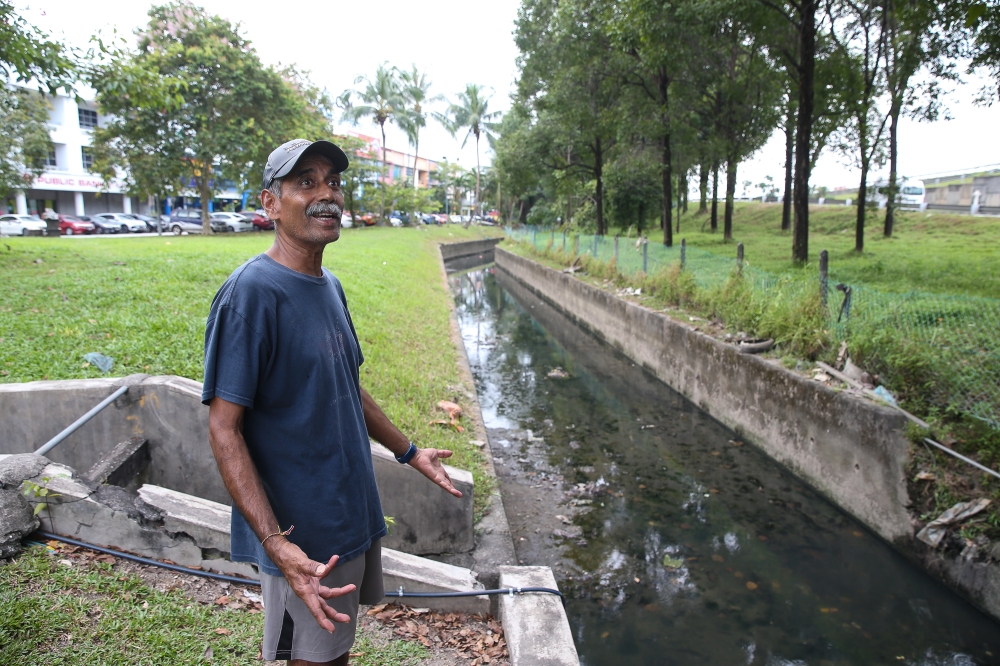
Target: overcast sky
(459, 42)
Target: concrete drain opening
(151, 488)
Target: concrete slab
(205, 521)
(167, 411)
(419, 574)
(535, 625)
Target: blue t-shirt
(282, 344)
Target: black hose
(248, 581)
(475, 593)
(145, 560)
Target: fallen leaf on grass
(751, 585)
(222, 631)
(223, 600)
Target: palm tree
(380, 100)
(471, 111)
(414, 89)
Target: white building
(67, 186)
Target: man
(289, 422)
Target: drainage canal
(673, 541)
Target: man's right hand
(304, 576)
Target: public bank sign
(67, 182)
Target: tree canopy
(615, 94)
(192, 106)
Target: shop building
(67, 186)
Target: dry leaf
(222, 631)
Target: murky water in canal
(676, 543)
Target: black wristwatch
(408, 456)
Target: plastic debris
(883, 393)
(935, 531)
(102, 362)
(557, 373)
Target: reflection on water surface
(684, 546)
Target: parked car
(21, 225)
(440, 218)
(346, 221)
(235, 222)
(189, 220)
(260, 222)
(404, 218)
(127, 223)
(395, 221)
(455, 219)
(100, 226)
(427, 218)
(369, 219)
(150, 222)
(71, 224)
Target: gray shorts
(291, 631)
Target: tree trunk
(668, 194)
(803, 134)
(715, 198)
(786, 200)
(703, 189)
(206, 196)
(890, 204)
(679, 188)
(668, 190)
(859, 224)
(599, 189)
(477, 181)
(684, 190)
(414, 213)
(727, 229)
(385, 174)
(416, 152)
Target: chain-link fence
(938, 351)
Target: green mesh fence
(936, 351)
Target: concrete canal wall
(851, 450)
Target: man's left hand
(428, 463)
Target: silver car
(233, 221)
(126, 223)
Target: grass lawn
(143, 301)
(56, 611)
(932, 251)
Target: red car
(259, 222)
(70, 224)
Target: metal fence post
(739, 257)
(824, 265)
(564, 242)
(552, 238)
(576, 248)
(534, 237)
(616, 249)
(683, 252)
(596, 237)
(645, 254)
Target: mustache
(327, 208)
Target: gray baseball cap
(284, 158)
